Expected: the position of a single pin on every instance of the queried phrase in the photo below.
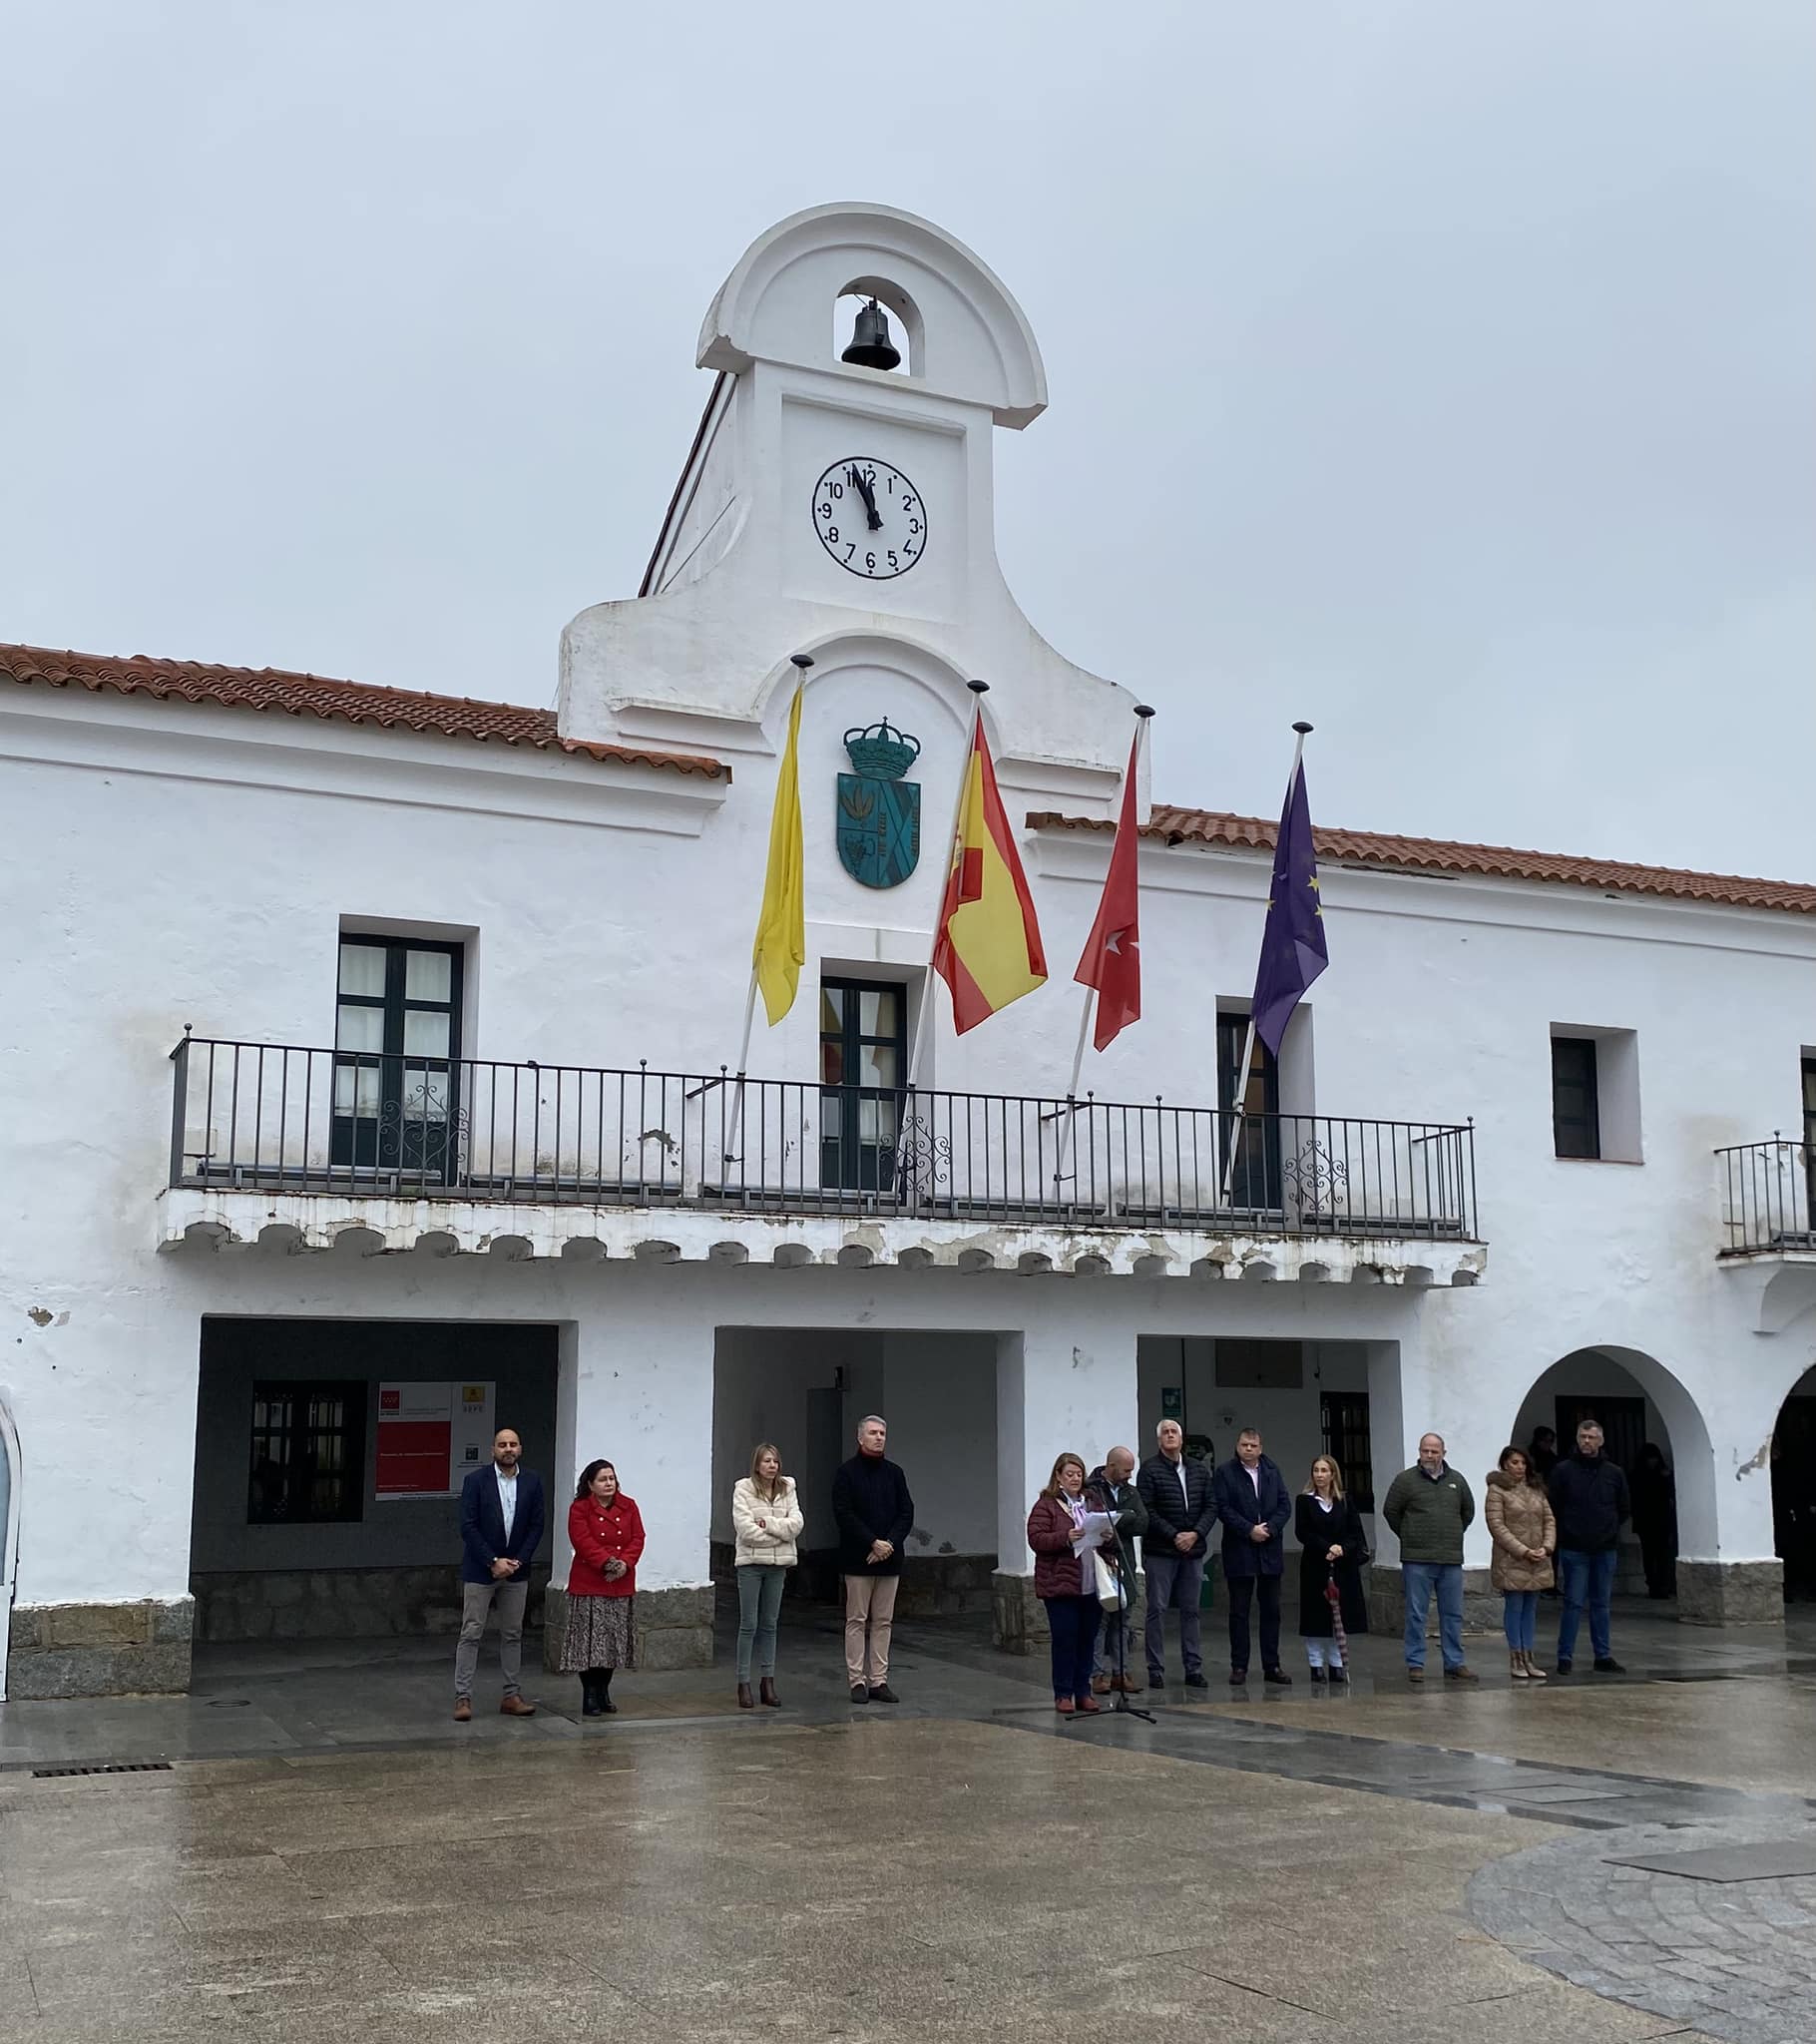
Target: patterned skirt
(601, 1633)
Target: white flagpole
(1248, 1041)
(1067, 1139)
(923, 1037)
(800, 661)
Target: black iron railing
(275, 1118)
(1768, 1193)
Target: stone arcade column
(1728, 1570)
(637, 1388)
(1414, 1389)
(1073, 1386)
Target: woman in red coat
(606, 1531)
(1066, 1581)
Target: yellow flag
(780, 950)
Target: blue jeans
(760, 1599)
(1584, 1579)
(1520, 1610)
(1073, 1622)
(1421, 1578)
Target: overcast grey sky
(1441, 372)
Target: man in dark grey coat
(1181, 1515)
(1112, 1488)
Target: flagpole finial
(801, 660)
(978, 688)
(1304, 730)
(1143, 710)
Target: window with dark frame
(1255, 1182)
(1347, 1444)
(864, 1071)
(396, 1055)
(308, 1453)
(1576, 1109)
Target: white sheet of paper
(1098, 1527)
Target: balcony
(316, 1148)
(1766, 1199)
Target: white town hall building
(365, 1084)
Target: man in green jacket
(1429, 1507)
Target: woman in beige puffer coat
(1525, 1534)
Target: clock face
(869, 517)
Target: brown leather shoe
(1102, 1685)
(463, 1710)
(516, 1707)
(1130, 1684)
(766, 1691)
(1463, 1672)
(745, 1701)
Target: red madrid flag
(1113, 952)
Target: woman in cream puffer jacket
(766, 1521)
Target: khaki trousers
(869, 1603)
(510, 1594)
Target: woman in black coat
(1329, 1532)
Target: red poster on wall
(429, 1436)
(415, 1440)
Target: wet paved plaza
(322, 1854)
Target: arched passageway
(1654, 1429)
(1794, 1489)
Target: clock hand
(861, 484)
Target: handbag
(1113, 1594)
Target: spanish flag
(988, 950)
(780, 950)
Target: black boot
(588, 1694)
(606, 1704)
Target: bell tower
(839, 501)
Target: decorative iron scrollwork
(420, 1130)
(923, 1160)
(1320, 1179)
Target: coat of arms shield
(879, 814)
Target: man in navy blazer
(501, 1527)
(1253, 1506)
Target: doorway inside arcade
(805, 1389)
(1305, 1399)
(330, 1456)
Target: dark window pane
(308, 1458)
(1576, 1116)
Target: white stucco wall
(195, 865)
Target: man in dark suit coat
(501, 1527)
(1253, 1505)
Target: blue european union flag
(1293, 952)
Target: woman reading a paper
(1065, 1535)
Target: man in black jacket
(1181, 1515)
(875, 1514)
(1253, 1502)
(1590, 1499)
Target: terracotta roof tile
(1438, 855)
(186, 680)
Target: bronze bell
(871, 348)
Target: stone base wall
(99, 1650)
(1019, 1619)
(933, 1585)
(1730, 1592)
(674, 1627)
(336, 1604)
(1387, 1604)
